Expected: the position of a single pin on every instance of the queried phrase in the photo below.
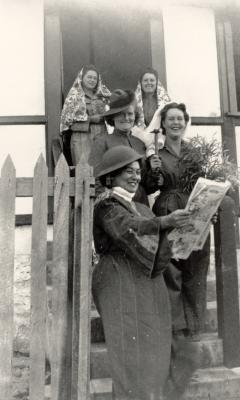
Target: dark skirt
(136, 318)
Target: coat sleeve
(136, 236)
(149, 179)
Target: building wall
(22, 94)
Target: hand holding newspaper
(203, 203)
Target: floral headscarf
(74, 108)
(162, 99)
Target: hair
(169, 106)
(90, 67)
(148, 70)
(106, 180)
(110, 118)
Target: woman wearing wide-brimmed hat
(128, 285)
(81, 115)
(122, 115)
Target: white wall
(191, 59)
(22, 85)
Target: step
(211, 289)
(211, 324)
(207, 384)
(97, 333)
(209, 349)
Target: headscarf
(74, 108)
(161, 93)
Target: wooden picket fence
(71, 302)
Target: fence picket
(7, 236)
(82, 283)
(38, 281)
(59, 370)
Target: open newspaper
(203, 203)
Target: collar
(90, 97)
(169, 149)
(119, 191)
(120, 133)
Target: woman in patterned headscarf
(151, 97)
(81, 114)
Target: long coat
(186, 279)
(131, 297)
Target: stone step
(211, 289)
(97, 334)
(211, 324)
(209, 350)
(206, 384)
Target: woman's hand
(214, 218)
(176, 219)
(155, 162)
(95, 119)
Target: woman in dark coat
(186, 279)
(128, 285)
(122, 115)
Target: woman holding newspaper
(185, 279)
(128, 285)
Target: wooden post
(82, 282)
(59, 381)
(227, 283)
(38, 281)
(7, 234)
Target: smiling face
(149, 83)
(129, 177)
(124, 121)
(174, 123)
(90, 80)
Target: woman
(128, 286)
(151, 97)
(122, 115)
(81, 114)
(186, 279)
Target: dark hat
(119, 101)
(115, 158)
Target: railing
(72, 241)
(227, 283)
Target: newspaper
(203, 204)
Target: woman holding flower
(186, 279)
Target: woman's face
(124, 121)
(90, 80)
(149, 83)
(129, 178)
(174, 123)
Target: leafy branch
(207, 159)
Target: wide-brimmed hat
(120, 100)
(115, 158)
